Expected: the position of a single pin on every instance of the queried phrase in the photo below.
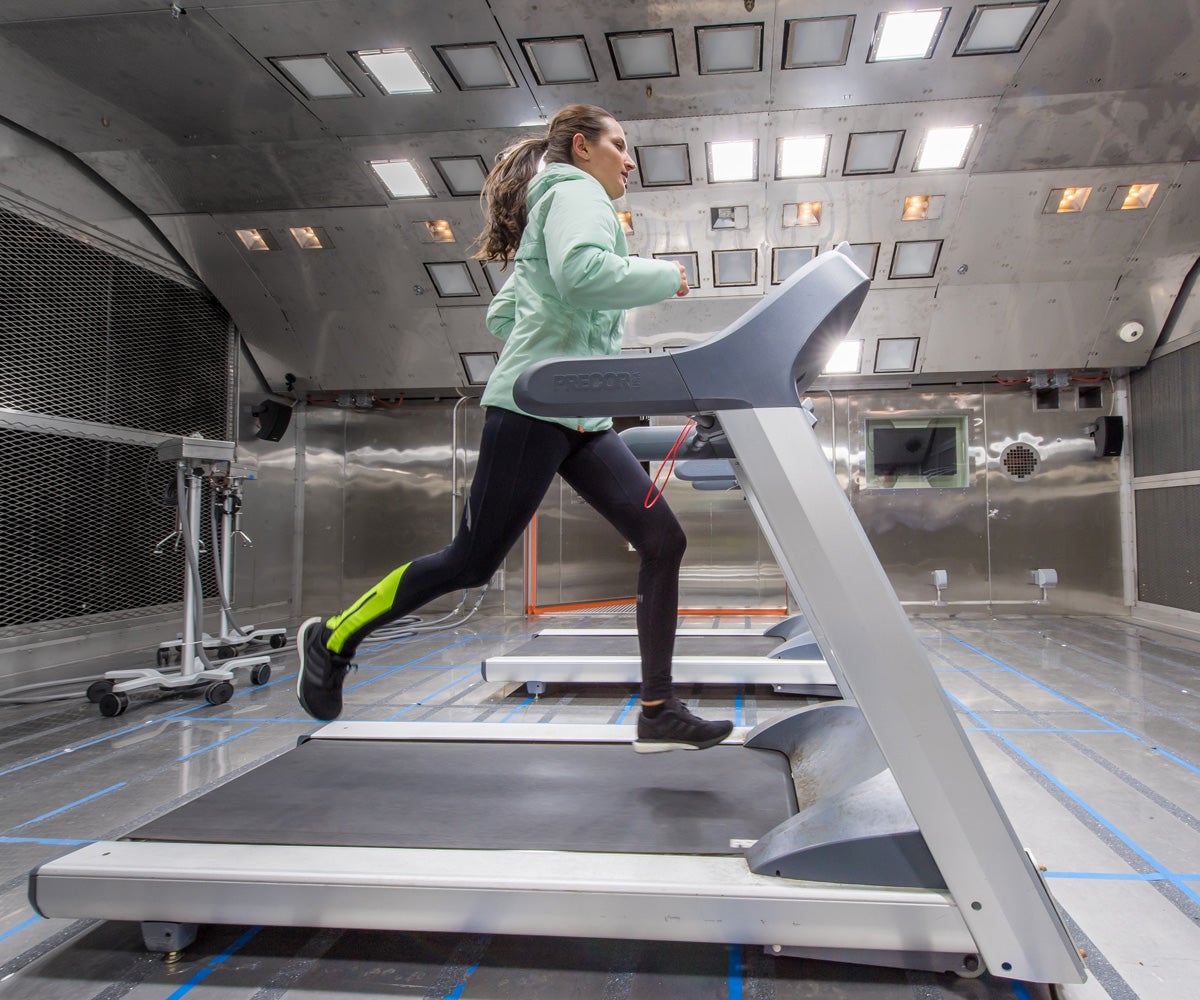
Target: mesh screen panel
(88, 335)
(1168, 547)
(1164, 418)
(79, 522)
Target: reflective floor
(1089, 729)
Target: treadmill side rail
(648, 897)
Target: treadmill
(871, 833)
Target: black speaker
(273, 419)
(1109, 434)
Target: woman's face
(607, 159)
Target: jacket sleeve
(502, 313)
(581, 239)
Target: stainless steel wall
(381, 487)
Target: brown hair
(503, 194)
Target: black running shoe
(675, 728)
(322, 672)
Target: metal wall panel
(1168, 549)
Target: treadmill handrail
(765, 358)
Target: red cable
(651, 495)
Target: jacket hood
(554, 173)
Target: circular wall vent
(1020, 461)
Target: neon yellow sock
(374, 603)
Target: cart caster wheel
(218, 693)
(260, 674)
(113, 703)
(278, 641)
(98, 690)
(225, 652)
(163, 657)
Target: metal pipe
(454, 465)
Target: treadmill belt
(494, 796)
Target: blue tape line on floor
(735, 972)
(72, 805)
(219, 743)
(214, 964)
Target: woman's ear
(579, 146)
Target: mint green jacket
(572, 282)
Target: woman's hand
(683, 284)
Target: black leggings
(518, 457)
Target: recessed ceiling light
(643, 55)
(462, 175)
(626, 220)
(395, 71)
(945, 148)
(803, 213)
(809, 42)
(663, 166)
(478, 366)
(922, 207)
(873, 152)
(435, 230)
(1132, 196)
(998, 27)
(906, 34)
(787, 260)
(560, 60)
(401, 178)
(736, 160)
(896, 354)
(452, 279)
(478, 66)
(690, 261)
(865, 255)
(915, 258)
(1066, 199)
(735, 268)
(801, 156)
(729, 48)
(729, 217)
(257, 239)
(317, 77)
(310, 237)
(846, 360)
(497, 273)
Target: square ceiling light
(735, 268)
(311, 237)
(729, 48)
(735, 160)
(434, 231)
(663, 166)
(998, 27)
(801, 156)
(478, 366)
(809, 42)
(626, 220)
(256, 240)
(865, 255)
(785, 261)
(896, 354)
(643, 55)
(691, 264)
(915, 258)
(873, 152)
(729, 217)
(1132, 196)
(395, 71)
(317, 77)
(906, 34)
(945, 148)
(401, 179)
(478, 66)
(462, 175)
(497, 273)
(1066, 199)
(801, 213)
(452, 279)
(922, 207)
(846, 360)
(563, 59)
